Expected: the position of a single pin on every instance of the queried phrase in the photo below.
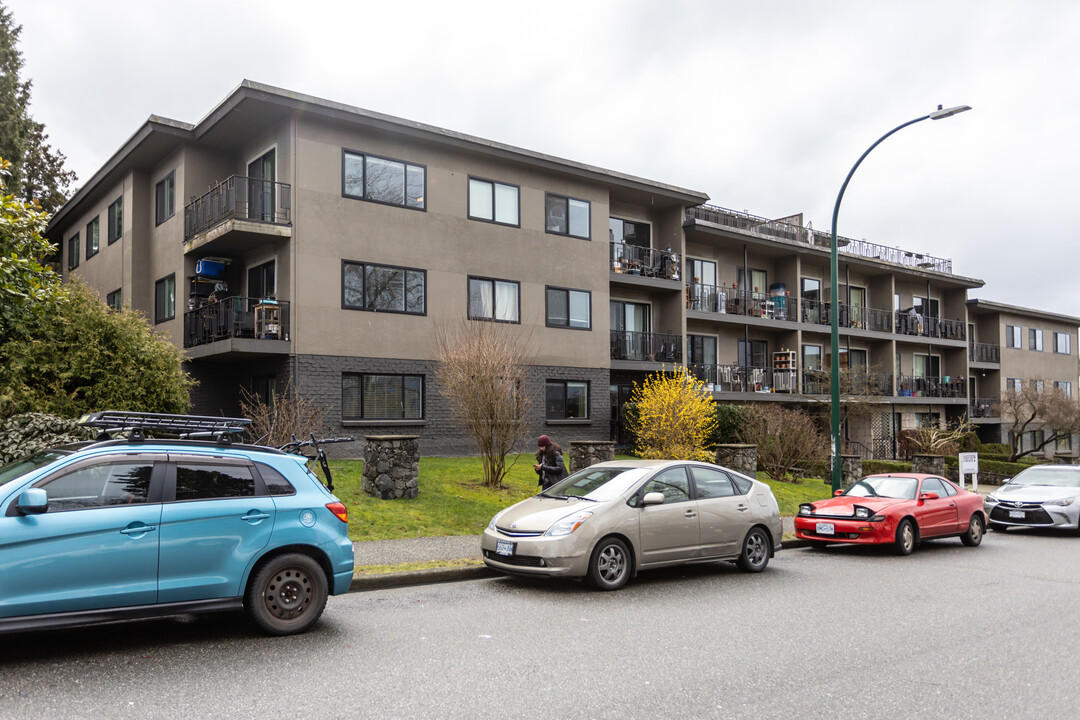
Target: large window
(629, 232)
(73, 251)
(165, 198)
(1014, 384)
(566, 216)
(115, 299)
(702, 272)
(753, 353)
(383, 288)
(116, 219)
(1012, 336)
(93, 238)
(368, 177)
(494, 202)
(569, 308)
(1063, 343)
(567, 399)
(382, 397)
(165, 299)
(927, 365)
(100, 485)
(210, 481)
(1035, 339)
(1064, 386)
(491, 299)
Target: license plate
(825, 529)
(504, 547)
(1019, 514)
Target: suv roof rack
(135, 424)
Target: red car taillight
(339, 510)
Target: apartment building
(289, 239)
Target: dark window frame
(365, 266)
(494, 297)
(73, 252)
(494, 207)
(636, 223)
(1013, 337)
(1035, 339)
(564, 383)
(360, 376)
(566, 199)
(158, 316)
(547, 307)
(1068, 343)
(94, 224)
(345, 152)
(115, 220)
(166, 186)
(115, 299)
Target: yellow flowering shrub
(673, 417)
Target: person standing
(549, 462)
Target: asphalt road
(950, 632)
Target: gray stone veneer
(740, 458)
(391, 466)
(584, 453)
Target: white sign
(969, 465)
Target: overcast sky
(763, 105)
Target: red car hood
(845, 505)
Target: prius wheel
(609, 568)
(974, 534)
(755, 551)
(287, 595)
(905, 538)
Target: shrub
(673, 417)
(729, 418)
(22, 435)
(786, 439)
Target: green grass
(453, 501)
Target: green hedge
(22, 435)
(877, 467)
(997, 467)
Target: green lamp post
(834, 316)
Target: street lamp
(834, 317)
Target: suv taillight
(339, 510)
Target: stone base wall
(850, 470)
(391, 466)
(740, 458)
(929, 464)
(584, 453)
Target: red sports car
(897, 509)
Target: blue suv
(131, 527)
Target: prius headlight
(569, 524)
(491, 525)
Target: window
(631, 233)
(758, 278)
(100, 485)
(567, 216)
(1064, 443)
(116, 219)
(195, 481)
(702, 349)
(811, 357)
(1063, 343)
(1012, 336)
(382, 397)
(928, 307)
(1038, 386)
(671, 483)
(567, 400)
(73, 251)
(275, 482)
(368, 177)
(933, 485)
(1014, 384)
(92, 238)
(927, 365)
(115, 299)
(702, 272)
(926, 419)
(383, 288)
(165, 197)
(262, 280)
(493, 300)
(1035, 339)
(1064, 386)
(753, 354)
(569, 308)
(494, 202)
(165, 299)
(712, 483)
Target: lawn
(452, 500)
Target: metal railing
(984, 352)
(646, 347)
(788, 231)
(736, 378)
(237, 317)
(983, 408)
(817, 382)
(238, 197)
(724, 299)
(940, 387)
(858, 317)
(909, 323)
(648, 262)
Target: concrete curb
(430, 576)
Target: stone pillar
(391, 466)
(850, 470)
(584, 453)
(740, 458)
(1066, 459)
(929, 464)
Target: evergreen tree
(37, 170)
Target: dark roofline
(990, 306)
(328, 108)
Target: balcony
(238, 214)
(909, 322)
(646, 347)
(983, 408)
(249, 326)
(736, 378)
(935, 387)
(856, 317)
(852, 383)
(985, 353)
(634, 260)
(729, 300)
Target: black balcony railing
(984, 352)
(242, 198)
(724, 299)
(858, 317)
(939, 387)
(911, 323)
(648, 262)
(237, 317)
(736, 378)
(983, 408)
(646, 347)
(852, 382)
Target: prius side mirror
(33, 501)
(653, 498)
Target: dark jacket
(552, 469)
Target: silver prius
(1040, 496)
(612, 519)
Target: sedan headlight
(806, 509)
(569, 524)
(491, 525)
(1063, 502)
(992, 500)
